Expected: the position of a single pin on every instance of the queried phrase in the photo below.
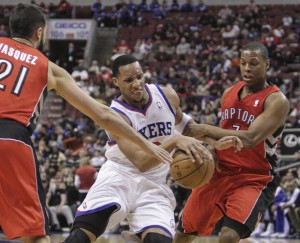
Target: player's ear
(268, 64)
(115, 81)
(38, 34)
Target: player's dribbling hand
(193, 148)
(228, 142)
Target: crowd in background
(198, 57)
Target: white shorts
(144, 203)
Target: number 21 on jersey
(6, 68)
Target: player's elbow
(105, 118)
(144, 167)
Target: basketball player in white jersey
(131, 184)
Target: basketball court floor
(113, 238)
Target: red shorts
(22, 198)
(240, 196)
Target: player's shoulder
(168, 91)
(279, 99)
(226, 91)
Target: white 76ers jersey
(156, 122)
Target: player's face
(253, 68)
(131, 82)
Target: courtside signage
(64, 29)
(290, 141)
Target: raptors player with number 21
(244, 186)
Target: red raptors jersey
(23, 81)
(238, 114)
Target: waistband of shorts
(227, 168)
(12, 122)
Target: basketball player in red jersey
(255, 111)
(25, 77)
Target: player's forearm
(111, 121)
(248, 138)
(144, 162)
(209, 141)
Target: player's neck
(251, 90)
(136, 104)
(23, 41)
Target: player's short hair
(257, 46)
(120, 61)
(25, 19)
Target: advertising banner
(290, 141)
(73, 29)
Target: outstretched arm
(273, 117)
(145, 162)
(61, 81)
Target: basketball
(189, 174)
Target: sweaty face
(253, 67)
(131, 83)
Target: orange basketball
(189, 174)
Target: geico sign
(291, 140)
(73, 25)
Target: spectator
(120, 4)
(231, 31)
(79, 72)
(287, 20)
(140, 19)
(283, 209)
(71, 57)
(56, 201)
(52, 10)
(98, 159)
(201, 7)
(95, 67)
(161, 55)
(154, 5)
(252, 5)
(137, 49)
(183, 47)
(278, 31)
(64, 10)
(293, 207)
(187, 6)
(159, 13)
(56, 157)
(132, 8)
(111, 18)
(268, 218)
(208, 117)
(125, 17)
(96, 8)
(85, 177)
(122, 48)
(158, 34)
(208, 19)
(5, 19)
(3, 31)
(175, 7)
(224, 14)
(143, 6)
